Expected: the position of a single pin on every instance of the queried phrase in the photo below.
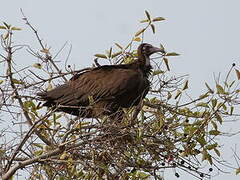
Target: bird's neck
(143, 59)
(146, 70)
(144, 63)
(146, 60)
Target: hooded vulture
(104, 90)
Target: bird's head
(145, 50)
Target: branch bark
(25, 163)
(25, 112)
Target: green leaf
(148, 15)
(64, 155)
(154, 73)
(166, 63)
(5, 36)
(189, 129)
(140, 134)
(238, 74)
(45, 50)
(232, 83)
(203, 96)
(127, 154)
(38, 153)
(15, 29)
(142, 175)
(172, 54)
(161, 123)
(214, 132)
(81, 124)
(140, 32)
(231, 109)
(55, 117)
(209, 158)
(138, 39)
(49, 87)
(145, 20)
(178, 94)
(37, 65)
(32, 115)
(62, 178)
(214, 125)
(109, 53)
(237, 171)
(3, 27)
(222, 105)
(185, 86)
(220, 89)
(211, 146)
(2, 151)
(15, 81)
(1, 81)
(217, 152)
(169, 96)
(219, 118)
(91, 100)
(158, 19)
(29, 104)
(204, 155)
(214, 103)
(162, 48)
(101, 56)
(202, 141)
(202, 104)
(153, 28)
(128, 60)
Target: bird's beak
(155, 50)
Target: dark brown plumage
(104, 90)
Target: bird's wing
(106, 83)
(99, 84)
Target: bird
(104, 90)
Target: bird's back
(106, 88)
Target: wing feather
(105, 83)
(101, 84)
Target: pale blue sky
(205, 33)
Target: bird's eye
(146, 48)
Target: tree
(170, 130)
